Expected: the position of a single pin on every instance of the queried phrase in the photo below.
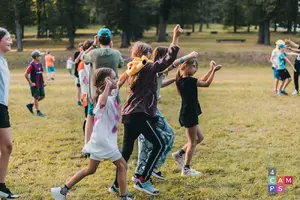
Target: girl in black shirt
(190, 109)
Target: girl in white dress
(103, 143)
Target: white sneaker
(295, 92)
(134, 179)
(189, 172)
(178, 158)
(57, 195)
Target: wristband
(181, 60)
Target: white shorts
(116, 155)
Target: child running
(36, 82)
(69, 65)
(103, 143)
(50, 65)
(190, 110)
(162, 126)
(274, 61)
(139, 110)
(283, 73)
(5, 130)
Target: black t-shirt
(76, 54)
(297, 61)
(190, 106)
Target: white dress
(104, 139)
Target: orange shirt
(80, 66)
(49, 60)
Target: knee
(193, 144)
(200, 139)
(122, 166)
(7, 148)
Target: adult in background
(101, 54)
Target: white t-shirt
(4, 81)
(69, 64)
(275, 54)
(104, 139)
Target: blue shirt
(281, 61)
(4, 81)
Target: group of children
(280, 72)
(142, 119)
(98, 76)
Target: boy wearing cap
(283, 73)
(274, 60)
(36, 82)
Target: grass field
(247, 129)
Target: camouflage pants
(145, 147)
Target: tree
(234, 14)
(164, 13)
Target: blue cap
(281, 46)
(36, 53)
(104, 33)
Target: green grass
(247, 130)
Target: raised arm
(103, 97)
(122, 79)
(179, 61)
(288, 61)
(212, 64)
(290, 42)
(207, 82)
(161, 64)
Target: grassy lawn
(247, 130)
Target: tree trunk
(255, 27)
(125, 40)
(295, 15)
(162, 28)
(18, 28)
(248, 30)
(71, 43)
(207, 25)
(261, 33)
(193, 28)
(39, 16)
(200, 27)
(22, 31)
(275, 27)
(289, 26)
(235, 19)
(157, 25)
(267, 33)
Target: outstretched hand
(212, 64)
(177, 31)
(217, 67)
(195, 54)
(287, 41)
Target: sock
(186, 167)
(181, 152)
(2, 185)
(142, 180)
(64, 190)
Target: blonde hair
(140, 49)
(278, 42)
(184, 66)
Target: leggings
(131, 133)
(145, 147)
(296, 78)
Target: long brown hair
(159, 52)
(99, 81)
(182, 67)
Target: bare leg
(286, 83)
(281, 86)
(5, 151)
(191, 134)
(89, 170)
(276, 81)
(122, 175)
(78, 93)
(36, 103)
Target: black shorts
(283, 74)
(188, 121)
(4, 117)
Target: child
(50, 65)
(296, 65)
(83, 72)
(162, 126)
(190, 110)
(103, 143)
(274, 61)
(36, 82)
(283, 73)
(69, 65)
(5, 130)
(139, 111)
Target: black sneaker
(6, 193)
(30, 108)
(157, 174)
(52, 79)
(40, 114)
